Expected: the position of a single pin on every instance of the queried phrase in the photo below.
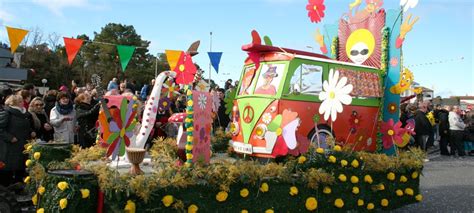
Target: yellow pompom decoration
(27, 179)
(167, 200)
(62, 185)
(244, 211)
(370, 206)
(37, 155)
(414, 175)
(339, 203)
(190, 138)
(293, 191)
(355, 190)
(190, 103)
(360, 202)
(384, 202)
(368, 179)
(40, 210)
(188, 147)
(28, 163)
(399, 192)
(264, 187)
(269, 211)
(391, 176)
(342, 178)
(189, 156)
(403, 179)
(85, 193)
(409, 191)
(320, 150)
(301, 159)
(337, 148)
(222, 196)
(311, 204)
(130, 207)
(355, 163)
(327, 190)
(344, 163)
(354, 179)
(63, 203)
(332, 159)
(193, 208)
(34, 199)
(419, 197)
(190, 129)
(244, 192)
(41, 190)
(189, 92)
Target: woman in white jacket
(63, 119)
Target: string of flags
(436, 62)
(125, 52)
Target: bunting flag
(72, 48)
(15, 36)
(215, 58)
(173, 57)
(125, 54)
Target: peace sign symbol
(248, 114)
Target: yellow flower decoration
(28, 148)
(41, 190)
(62, 185)
(167, 200)
(391, 176)
(190, 103)
(85, 193)
(311, 203)
(188, 147)
(190, 138)
(41, 210)
(34, 199)
(63, 203)
(27, 179)
(222, 196)
(409, 191)
(320, 150)
(130, 207)
(370, 206)
(344, 163)
(37, 155)
(193, 208)
(339, 203)
(360, 202)
(301, 159)
(28, 163)
(414, 175)
(368, 179)
(327, 190)
(381, 187)
(399, 192)
(403, 179)
(269, 211)
(244, 211)
(355, 190)
(293, 191)
(355, 163)
(337, 148)
(342, 178)
(332, 159)
(354, 179)
(264, 187)
(384, 202)
(419, 197)
(244, 192)
(189, 156)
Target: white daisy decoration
(202, 101)
(335, 93)
(267, 118)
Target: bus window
(365, 84)
(307, 79)
(269, 79)
(247, 81)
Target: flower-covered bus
(277, 107)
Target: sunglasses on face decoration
(362, 52)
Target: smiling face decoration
(360, 46)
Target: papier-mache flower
(335, 93)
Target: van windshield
(267, 82)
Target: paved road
(447, 185)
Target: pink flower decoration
(394, 61)
(392, 133)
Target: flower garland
(383, 66)
(335, 48)
(188, 124)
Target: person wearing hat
(267, 88)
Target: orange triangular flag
(72, 48)
(16, 36)
(173, 57)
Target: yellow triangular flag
(16, 36)
(173, 57)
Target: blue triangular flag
(215, 58)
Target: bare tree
(53, 41)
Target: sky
(443, 33)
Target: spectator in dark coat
(44, 130)
(443, 130)
(86, 116)
(423, 127)
(15, 130)
(223, 119)
(50, 100)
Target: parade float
(309, 132)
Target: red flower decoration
(392, 133)
(315, 10)
(354, 121)
(185, 69)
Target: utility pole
(210, 50)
